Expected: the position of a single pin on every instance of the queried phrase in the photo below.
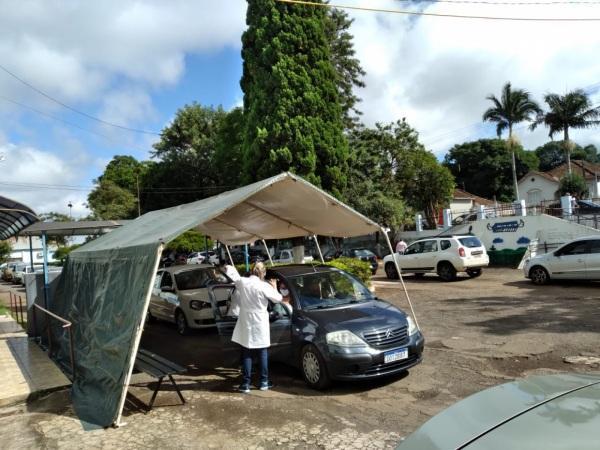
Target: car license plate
(395, 355)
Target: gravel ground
(480, 332)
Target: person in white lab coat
(252, 330)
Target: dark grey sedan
(334, 329)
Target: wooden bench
(157, 367)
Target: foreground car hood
(193, 294)
(532, 413)
(359, 317)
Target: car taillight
(461, 252)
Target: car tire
(181, 323)
(539, 275)
(314, 370)
(390, 271)
(446, 271)
(474, 273)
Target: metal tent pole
(268, 252)
(46, 281)
(318, 247)
(31, 253)
(387, 238)
(229, 254)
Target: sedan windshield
(199, 278)
(329, 289)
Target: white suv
(444, 255)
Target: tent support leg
(318, 247)
(229, 254)
(138, 337)
(387, 238)
(268, 252)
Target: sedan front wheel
(313, 367)
(539, 275)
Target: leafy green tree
(552, 154)
(574, 184)
(483, 167)
(5, 251)
(228, 157)
(513, 106)
(61, 253)
(573, 110)
(111, 202)
(392, 175)
(294, 117)
(188, 242)
(349, 71)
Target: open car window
(328, 289)
(200, 278)
(575, 248)
(166, 280)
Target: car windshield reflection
(328, 289)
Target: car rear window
(470, 242)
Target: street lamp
(70, 205)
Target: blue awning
(14, 217)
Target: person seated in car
(285, 292)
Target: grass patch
(3, 310)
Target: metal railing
(16, 308)
(66, 325)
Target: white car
(19, 273)
(287, 257)
(576, 260)
(444, 255)
(200, 258)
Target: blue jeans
(247, 355)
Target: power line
(482, 2)
(451, 16)
(64, 105)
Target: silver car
(180, 295)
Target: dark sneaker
(266, 386)
(244, 389)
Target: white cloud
(436, 72)
(42, 180)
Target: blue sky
(135, 63)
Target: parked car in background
(286, 256)
(547, 412)
(180, 296)
(464, 218)
(363, 254)
(254, 255)
(335, 329)
(576, 260)
(444, 255)
(19, 274)
(201, 257)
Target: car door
(569, 262)
(225, 322)
(155, 300)
(411, 258)
(593, 260)
(168, 296)
(428, 256)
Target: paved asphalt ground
(480, 332)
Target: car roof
(292, 270)
(185, 267)
(526, 412)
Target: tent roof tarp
(14, 216)
(106, 284)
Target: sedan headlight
(197, 304)
(344, 338)
(412, 327)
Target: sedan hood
(358, 317)
(549, 412)
(194, 294)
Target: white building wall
(20, 250)
(546, 188)
(514, 232)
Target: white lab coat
(252, 327)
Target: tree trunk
(514, 164)
(567, 148)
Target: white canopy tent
(283, 206)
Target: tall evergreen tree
(293, 113)
(349, 71)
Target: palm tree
(514, 106)
(572, 110)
